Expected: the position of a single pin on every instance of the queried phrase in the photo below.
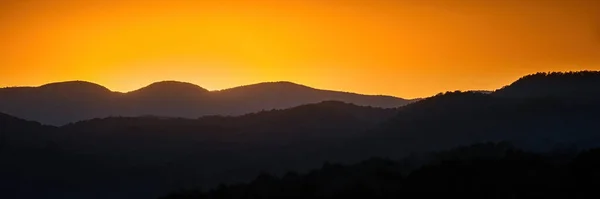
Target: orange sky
(410, 48)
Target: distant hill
(58, 103)
(461, 118)
(555, 84)
(281, 95)
(65, 102)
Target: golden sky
(406, 48)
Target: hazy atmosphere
(299, 99)
(406, 48)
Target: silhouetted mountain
(58, 103)
(555, 84)
(214, 148)
(74, 88)
(459, 118)
(18, 133)
(307, 124)
(286, 94)
(61, 103)
(167, 98)
(267, 134)
(562, 117)
(169, 89)
(27, 151)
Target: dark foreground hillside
(480, 171)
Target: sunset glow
(409, 48)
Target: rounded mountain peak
(171, 87)
(267, 87)
(285, 85)
(282, 83)
(75, 86)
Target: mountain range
(148, 156)
(66, 102)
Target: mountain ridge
(268, 83)
(63, 102)
(554, 84)
(170, 84)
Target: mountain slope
(458, 118)
(18, 133)
(58, 103)
(555, 84)
(256, 97)
(167, 98)
(65, 102)
(161, 154)
(310, 122)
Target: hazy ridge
(65, 102)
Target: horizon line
(209, 90)
(288, 81)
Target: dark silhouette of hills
(140, 157)
(170, 89)
(288, 94)
(537, 112)
(167, 150)
(58, 103)
(330, 118)
(18, 133)
(167, 98)
(555, 84)
(74, 87)
(65, 102)
(460, 118)
(499, 172)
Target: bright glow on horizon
(409, 48)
